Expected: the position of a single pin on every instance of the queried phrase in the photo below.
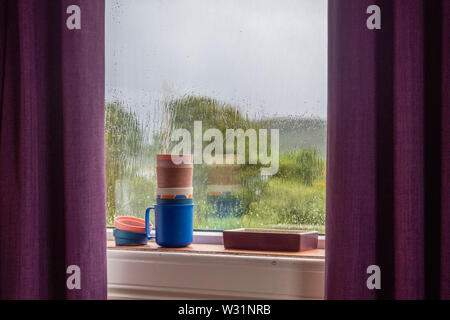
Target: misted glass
(232, 64)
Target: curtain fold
(52, 166)
(388, 150)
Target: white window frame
(168, 275)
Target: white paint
(161, 275)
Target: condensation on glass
(231, 64)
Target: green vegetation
(293, 198)
(305, 166)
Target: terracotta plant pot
(172, 175)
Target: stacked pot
(174, 209)
(174, 179)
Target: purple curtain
(52, 168)
(389, 150)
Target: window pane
(254, 65)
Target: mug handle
(147, 222)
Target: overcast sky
(266, 56)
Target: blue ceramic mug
(174, 224)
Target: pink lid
(131, 224)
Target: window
(255, 65)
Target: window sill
(218, 249)
(205, 271)
(211, 237)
